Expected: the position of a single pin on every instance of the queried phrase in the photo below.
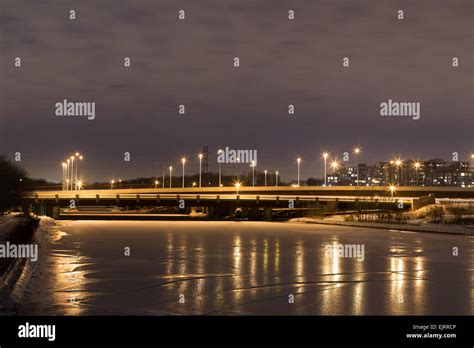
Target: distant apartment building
(435, 172)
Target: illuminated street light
(398, 163)
(112, 184)
(417, 166)
(325, 156)
(334, 165)
(265, 173)
(220, 168)
(357, 154)
(64, 166)
(79, 185)
(77, 169)
(156, 183)
(67, 174)
(392, 189)
(237, 185)
(73, 183)
(200, 169)
(183, 160)
(171, 174)
(298, 161)
(253, 173)
(276, 178)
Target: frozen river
(181, 267)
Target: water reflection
(246, 272)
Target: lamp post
(398, 163)
(78, 172)
(112, 184)
(156, 183)
(63, 165)
(417, 166)
(253, 173)
(73, 183)
(265, 174)
(77, 168)
(200, 169)
(220, 169)
(334, 166)
(237, 185)
(171, 174)
(299, 161)
(67, 174)
(325, 156)
(392, 189)
(183, 160)
(357, 154)
(164, 179)
(276, 178)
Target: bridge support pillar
(52, 211)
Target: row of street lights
(71, 173)
(334, 165)
(325, 155)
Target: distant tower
(205, 152)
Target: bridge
(225, 200)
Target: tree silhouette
(14, 184)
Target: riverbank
(24, 234)
(414, 226)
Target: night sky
(190, 62)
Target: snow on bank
(14, 281)
(416, 226)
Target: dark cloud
(190, 62)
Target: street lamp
(265, 173)
(417, 166)
(299, 161)
(325, 156)
(112, 184)
(220, 168)
(73, 183)
(200, 169)
(392, 189)
(237, 185)
(77, 168)
(67, 174)
(398, 163)
(171, 174)
(334, 165)
(78, 171)
(357, 154)
(253, 173)
(64, 175)
(183, 160)
(276, 178)
(156, 183)
(79, 185)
